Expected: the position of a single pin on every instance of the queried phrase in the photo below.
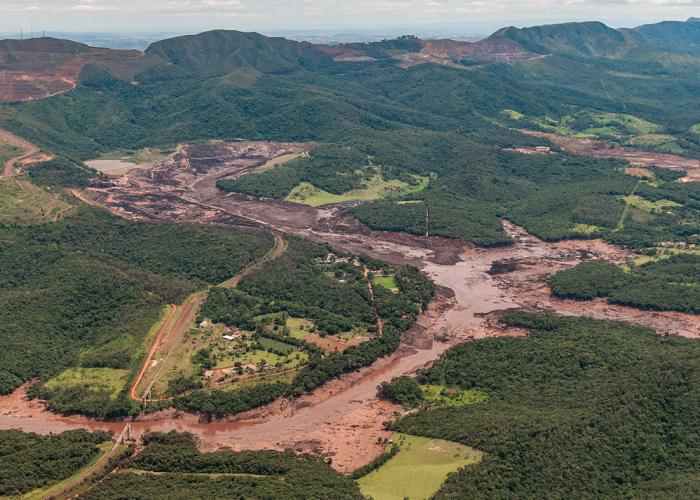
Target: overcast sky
(269, 15)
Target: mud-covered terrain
(636, 157)
(344, 419)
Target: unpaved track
(279, 247)
(172, 332)
(343, 419)
(154, 347)
(29, 151)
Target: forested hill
(219, 52)
(436, 121)
(595, 39)
(583, 39)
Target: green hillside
(590, 39)
(219, 52)
(578, 408)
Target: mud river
(343, 420)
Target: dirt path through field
(175, 326)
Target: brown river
(344, 419)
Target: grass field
(512, 114)
(649, 206)
(97, 379)
(251, 357)
(452, 397)
(140, 156)
(276, 345)
(632, 129)
(388, 282)
(418, 470)
(640, 172)
(8, 151)
(376, 188)
(299, 328)
(663, 253)
(586, 229)
(22, 201)
(661, 142)
(633, 124)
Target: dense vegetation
(331, 168)
(333, 292)
(670, 284)
(579, 408)
(61, 172)
(183, 472)
(377, 462)
(427, 120)
(402, 390)
(29, 461)
(85, 290)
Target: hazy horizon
(278, 16)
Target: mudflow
(343, 420)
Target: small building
(228, 338)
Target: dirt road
(30, 154)
(343, 419)
(165, 326)
(279, 247)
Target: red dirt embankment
(30, 154)
(165, 327)
(343, 419)
(43, 67)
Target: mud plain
(343, 420)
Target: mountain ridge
(42, 67)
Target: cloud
(166, 15)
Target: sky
(476, 16)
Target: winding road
(28, 155)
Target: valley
(343, 419)
(294, 270)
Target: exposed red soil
(495, 49)
(30, 154)
(41, 67)
(636, 157)
(154, 347)
(331, 343)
